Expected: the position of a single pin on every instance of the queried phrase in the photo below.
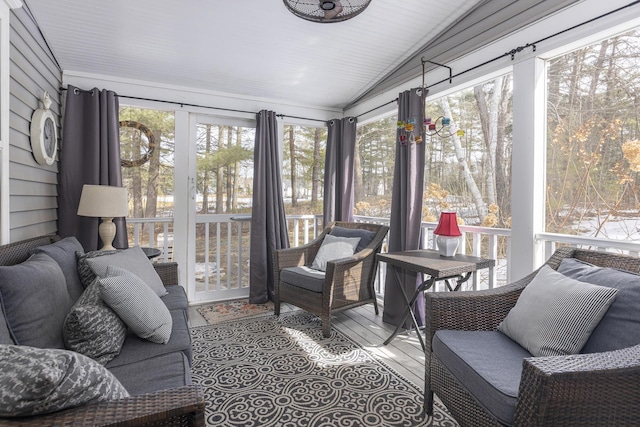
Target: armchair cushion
(620, 326)
(39, 381)
(303, 277)
(471, 358)
(555, 314)
(333, 247)
(365, 236)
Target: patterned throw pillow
(86, 274)
(92, 328)
(136, 303)
(39, 381)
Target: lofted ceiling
(257, 48)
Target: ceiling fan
(326, 10)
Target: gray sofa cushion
(365, 236)
(5, 334)
(154, 374)
(133, 260)
(620, 326)
(487, 363)
(303, 277)
(176, 298)
(64, 253)
(136, 349)
(36, 301)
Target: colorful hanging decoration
(407, 131)
(442, 130)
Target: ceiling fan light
(327, 5)
(326, 11)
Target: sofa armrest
(177, 406)
(168, 272)
(585, 389)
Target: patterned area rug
(230, 310)
(280, 371)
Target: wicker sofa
(157, 376)
(593, 388)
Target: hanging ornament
(460, 132)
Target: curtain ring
(76, 91)
(419, 91)
(351, 119)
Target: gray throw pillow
(86, 274)
(620, 326)
(365, 236)
(136, 304)
(133, 260)
(332, 248)
(555, 315)
(92, 328)
(64, 253)
(35, 300)
(39, 381)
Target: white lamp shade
(103, 201)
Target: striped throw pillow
(555, 314)
(136, 304)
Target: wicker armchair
(348, 282)
(596, 389)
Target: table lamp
(104, 202)
(448, 234)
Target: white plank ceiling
(253, 48)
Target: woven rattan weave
(597, 389)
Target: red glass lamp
(448, 234)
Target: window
(593, 141)
(147, 152)
(303, 169)
(468, 172)
(224, 168)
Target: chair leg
(326, 326)
(276, 307)
(375, 304)
(428, 402)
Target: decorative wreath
(151, 146)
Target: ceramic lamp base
(448, 245)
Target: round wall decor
(151, 144)
(44, 133)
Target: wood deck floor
(361, 324)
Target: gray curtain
(268, 222)
(89, 154)
(406, 204)
(338, 170)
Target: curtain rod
(183, 104)
(512, 52)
